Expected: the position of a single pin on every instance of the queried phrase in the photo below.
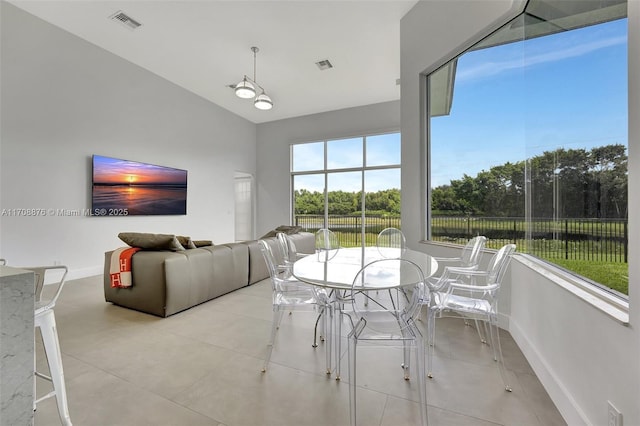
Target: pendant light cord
(254, 50)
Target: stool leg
(47, 323)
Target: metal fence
(577, 239)
(349, 227)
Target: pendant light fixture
(246, 89)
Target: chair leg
(352, 346)
(315, 329)
(406, 365)
(420, 355)
(277, 317)
(485, 331)
(431, 339)
(481, 332)
(338, 342)
(328, 328)
(47, 323)
(323, 328)
(497, 350)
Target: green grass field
(599, 255)
(612, 275)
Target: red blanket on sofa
(120, 268)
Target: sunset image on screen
(112, 171)
(137, 188)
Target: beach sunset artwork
(122, 187)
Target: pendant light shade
(247, 88)
(263, 102)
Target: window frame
(326, 171)
(595, 294)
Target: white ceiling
(203, 46)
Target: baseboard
(92, 271)
(562, 398)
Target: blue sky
(510, 102)
(520, 99)
(348, 153)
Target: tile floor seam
(146, 389)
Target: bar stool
(46, 321)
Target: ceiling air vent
(324, 64)
(125, 20)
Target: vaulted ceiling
(204, 46)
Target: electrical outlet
(614, 416)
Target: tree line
(344, 203)
(570, 183)
(575, 183)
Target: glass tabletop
(338, 268)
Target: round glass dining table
(336, 269)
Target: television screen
(122, 188)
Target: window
(528, 139)
(351, 186)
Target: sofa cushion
(258, 270)
(305, 242)
(151, 241)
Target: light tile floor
(202, 367)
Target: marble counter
(16, 346)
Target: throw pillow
(151, 241)
(269, 235)
(186, 242)
(202, 243)
(289, 229)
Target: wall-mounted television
(124, 188)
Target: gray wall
(64, 99)
(275, 138)
(583, 356)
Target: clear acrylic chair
(478, 301)
(387, 316)
(45, 320)
(280, 254)
(391, 243)
(454, 268)
(290, 294)
(290, 254)
(288, 249)
(469, 258)
(326, 239)
(327, 244)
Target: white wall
(64, 99)
(275, 138)
(583, 357)
(431, 33)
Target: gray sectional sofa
(167, 282)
